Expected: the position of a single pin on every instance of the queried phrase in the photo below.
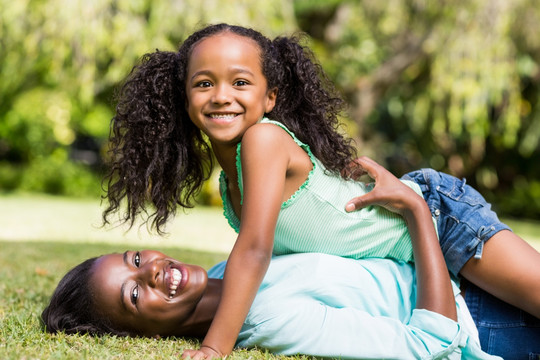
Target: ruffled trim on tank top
(228, 211)
(239, 172)
(307, 149)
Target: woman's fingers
(389, 192)
(363, 201)
(362, 166)
(374, 170)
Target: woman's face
(146, 292)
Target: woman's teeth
(176, 278)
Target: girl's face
(137, 291)
(226, 89)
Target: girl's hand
(389, 192)
(204, 352)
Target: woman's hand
(204, 352)
(434, 290)
(389, 192)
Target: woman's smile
(176, 278)
(147, 291)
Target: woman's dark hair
(71, 309)
(159, 157)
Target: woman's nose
(150, 273)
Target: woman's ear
(271, 96)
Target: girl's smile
(219, 118)
(226, 89)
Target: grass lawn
(43, 237)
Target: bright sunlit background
(452, 85)
(449, 85)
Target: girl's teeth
(223, 116)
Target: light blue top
(314, 217)
(328, 306)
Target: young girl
(281, 183)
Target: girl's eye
(137, 259)
(135, 295)
(240, 83)
(203, 84)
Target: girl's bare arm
(264, 168)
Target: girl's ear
(271, 96)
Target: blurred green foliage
(453, 85)
(449, 85)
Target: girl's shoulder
(270, 137)
(271, 129)
(267, 133)
(278, 125)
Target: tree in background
(452, 85)
(60, 61)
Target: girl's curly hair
(159, 156)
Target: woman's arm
(351, 333)
(434, 289)
(329, 306)
(433, 281)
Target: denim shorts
(503, 329)
(464, 219)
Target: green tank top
(314, 218)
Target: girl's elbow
(260, 255)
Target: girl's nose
(150, 273)
(221, 95)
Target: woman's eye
(135, 295)
(137, 259)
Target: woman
(308, 303)
(312, 304)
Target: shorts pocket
(458, 190)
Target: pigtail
(309, 105)
(157, 155)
